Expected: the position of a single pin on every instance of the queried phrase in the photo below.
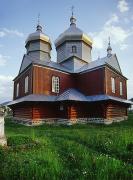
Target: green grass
(89, 151)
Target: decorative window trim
(113, 84)
(55, 84)
(74, 49)
(26, 84)
(17, 90)
(121, 88)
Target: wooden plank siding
(42, 78)
(118, 78)
(21, 80)
(91, 83)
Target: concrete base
(3, 141)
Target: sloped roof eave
(68, 97)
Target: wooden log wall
(23, 112)
(116, 110)
(86, 110)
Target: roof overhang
(69, 95)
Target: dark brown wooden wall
(91, 83)
(21, 80)
(45, 110)
(42, 78)
(86, 110)
(22, 111)
(71, 110)
(108, 74)
(115, 109)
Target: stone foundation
(30, 122)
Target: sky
(98, 18)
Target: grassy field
(96, 152)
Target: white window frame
(113, 84)
(26, 84)
(121, 88)
(17, 90)
(55, 84)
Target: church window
(74, 49)
(55, 84)
(17, 90)
(61, 107)
(121, 90)
(113, 84)
(26, 84)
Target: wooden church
(74, 89)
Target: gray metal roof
(73, 33)
(68, 95)
(111, 61)
(28, 59)
(104, 97)
(37, 35)
(71, 94)
(33, 98)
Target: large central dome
(73, 33)
(73, 46)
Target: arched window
(74, 49)
(55, 84)
(26, 84)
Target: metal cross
(109, 40)
(72, 9)
(38, 18)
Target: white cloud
(11, 32)
(2, 34)
(117, 33)
(123, 46)
(114, 18)
(3, 60)
(6, 87)
(123, 6)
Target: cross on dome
(39, 27)
(109, 49)
(72, 19)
